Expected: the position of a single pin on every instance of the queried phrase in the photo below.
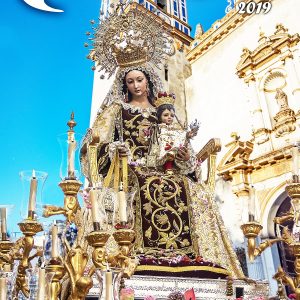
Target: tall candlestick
(32, 195)
(54, 241)
(108, 285)
(3, 289)
(71, 152)
(3, 223)
(41, 285)
(122, 206)
(295, 169)
(94, 204)
(251, 204)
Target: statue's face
(167, 116)
(136, 83)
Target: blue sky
(44, 75)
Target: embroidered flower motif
(168, 240)
(186, 228)
(185, 243)
(148, 233)
(148, 208)
(162, 219)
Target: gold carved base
(98, 239)
(58, 272)
(124, 237)
(70, 189)
(30, 227)
(5, 248)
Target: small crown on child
(164, 98)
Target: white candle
(3, 220)
(32, 193)
(122, 206)
(251, 204)
(3, 289)
(71, 152)
(41, 285)
(94, 204)
(108, 285)
(295, 169)
(54, 241)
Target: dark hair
(162, 108)
(150, 85)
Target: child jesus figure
(169, 135)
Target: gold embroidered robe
(175, 216)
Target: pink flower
(149, 298)
(127, 294)
(85, 196)
(147, 132)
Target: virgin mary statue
(177, 224)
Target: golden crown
(131, 55)
(164, 98)
(129, 37)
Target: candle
(41, 285)
(3, 289)
(54, 241)
(3, 223)
(108, 284)
(71, 150)
(251, 204)
(122, 206)
(94, 204)
(295, 169)
(32, 194)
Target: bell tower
(174, 12)
(176, 69)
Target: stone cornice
(213, 36)
(237, 161)
(268, 49)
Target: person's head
(137, 84)
(165, 114)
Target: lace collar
(134, 108)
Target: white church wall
(100, 89)
(215, 95)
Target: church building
(241, 80)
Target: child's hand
(192, 133)
(183, 154)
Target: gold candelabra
(252, 229)
(73, 262)
(21, 251)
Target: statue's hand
(122, 148)
(183, 154)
